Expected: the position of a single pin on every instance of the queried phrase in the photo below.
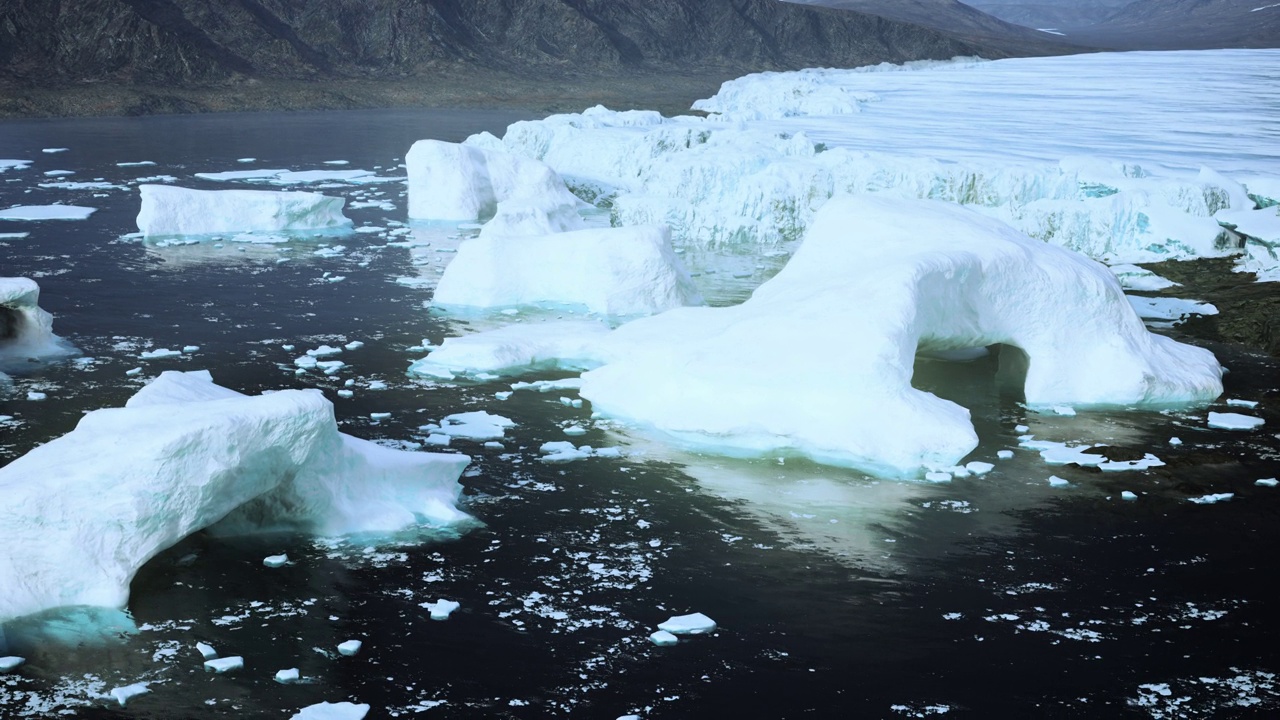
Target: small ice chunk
(1242, 403)
(159, 353)
(1064, 410)
(222, 665)
(979, 468)
(502, 395)
(354, 345)
(350, 647)
(478, 425)
(345, 394)
(36, 396)
(938, 477)
(123, 694)
(575, 430)
(1021, 428)
(324, 351)
(379, 416)
(692, 624)
(284, 677)
(1175, 441)
(441, 609)
(494, 445)
(1004, 454)
(662, 638)
(54, 150)
(10, 662)
(190, 348)
(332, 711)
(1126, 495)
(1267, 482)
(439, 440)
(1055, 481)
(1234, 421)
(1212, 498)
(206, 651)
(275, 561)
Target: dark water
(837, 595)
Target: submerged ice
(85, 511)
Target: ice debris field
(759, 283)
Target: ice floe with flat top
(47, 212)
(778, 145)
(513, 195)
(332, 711)
(692, 624)
(610, 271)
(819, 360)
(83, 512)
(1234, 421)
(168, 210)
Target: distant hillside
(1056, 15)
(958, 20)
(1187, 25)
(346, 49)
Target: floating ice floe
(1127, 495)
(1267, 482)
(224, 665)
(779, 144)
(1212, 498)
(662, 638)
(350, 647)
(692, 624)
(124, 694)
(332, 711)
(441, 609)
(12, 164)
(464, 183)
(9, 663)
(275, 561)
(206, 651)
(81, 517)
(47, 212)
(168, 210)
(1055, 481)
(1163, 308)
(284, 677)
(478, 425)
(26, 330)
(876, 280)
(611, 271)
(1234, 421)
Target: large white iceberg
(26, 330)
(84, 512)
(168, 210)
(612, 271)
(464, 183)
(1162, 153)
(819, 360)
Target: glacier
(1137, 173)
(168, 210)
(818, 361)
(26, 330)
(84, 512)
(610, 271)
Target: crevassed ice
(1127, 157)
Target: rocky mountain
(959, 20)
(171, 47)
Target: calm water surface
(837, 595)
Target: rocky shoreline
(1248, 311)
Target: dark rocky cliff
(172, 48)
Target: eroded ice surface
(828, 345)
(26, 330)
(81, 517)
(168, 210)
(1171, 142)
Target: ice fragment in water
(222, 665)
(275, 561)
(284, 677)
(1234, 421)
(1242, 403)
(662, 638)
(1004, 454)
(979, 468)
(206, 651)
(1211, 499)
(350, 647)
(1055, 481)
(10, 662)
(332, 711)
(123, 694)
(1267, 482)
(1126, 495)
(693, 624)
(441, 609)
(938, 477)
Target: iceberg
(47, 212)
(168, 210)
(26, 330)
(611, 271)
(819, 361)
(464, 183)
(989, 134)
(85, 511)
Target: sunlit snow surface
(1123, 156)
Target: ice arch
(819, 360)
